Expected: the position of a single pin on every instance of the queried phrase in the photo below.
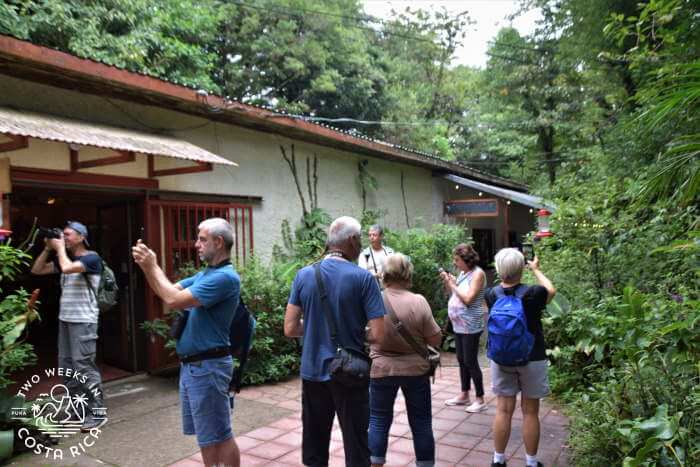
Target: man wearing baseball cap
(78, 315)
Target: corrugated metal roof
(70, 131)
(522, 198)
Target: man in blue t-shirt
(78, 316)
(355, 301)
(211, 299)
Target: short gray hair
(342, 229)
(509, 264)
(218, 227)
(377, 228)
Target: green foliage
(170, 40)
(265, 290)
(16, 312)
(429, 249)
(309, 240)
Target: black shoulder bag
(431, 355)
(349, 367)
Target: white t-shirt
(376, 258)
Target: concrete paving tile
(460, 440)
(291, 458)
(292, 439)
(286, 424)
(245, 442)
(289, 404)
(394, 458)
(266, 433)
(476, 459)
(473, 429)
(247, 459)
(450, 453)
(450, 414)
(444, 424)
(399, 429)
(402, 445)
(197, 457)
(270, 450)
(480, 418)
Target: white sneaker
(456, 401)
(475, 407)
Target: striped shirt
(466, 319)
(78, 304)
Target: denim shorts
(531, 380)
(205, 400)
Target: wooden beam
(122, 157)
(200, 167)
(25, 174)
(18, 142)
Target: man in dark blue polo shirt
(211, 298)
(355, 301)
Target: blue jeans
(416, 392)
(205, 401)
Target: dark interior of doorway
(113, 220)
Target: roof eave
(41, 64)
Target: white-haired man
(211, 298)
(355, 301)
(531, 379)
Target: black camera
(49, 232)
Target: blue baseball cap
(80, 228)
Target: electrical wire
(295, 14)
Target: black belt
(206, 355)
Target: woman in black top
(530, 380)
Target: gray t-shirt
(78, 304)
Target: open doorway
(113, 220)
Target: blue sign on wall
(472, 208)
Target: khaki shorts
(530, 379)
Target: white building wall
(261, 172)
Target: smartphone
(528, 251)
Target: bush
(625, 354)
(429, 250)
(265, 290)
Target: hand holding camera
(446, 277)
(143, 256)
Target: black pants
(320, 401)
(467, 355)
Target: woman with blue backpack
(517, 351)
(465, 309)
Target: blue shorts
(205, 400)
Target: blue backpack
(509, 342)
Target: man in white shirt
(374, 256)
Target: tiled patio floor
(461, 438)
